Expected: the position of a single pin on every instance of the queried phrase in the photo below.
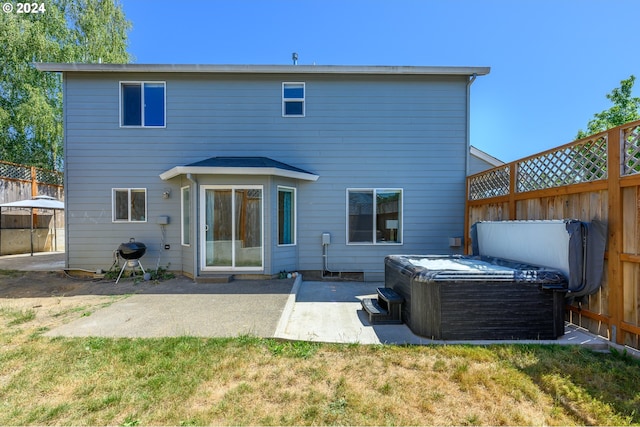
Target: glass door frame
(203, 227)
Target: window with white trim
(374, 216)
(142, 104)
(129, 204)
(185, 201)
(286, 216)
(293, 99)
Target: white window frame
(142, 103)
(113, 205)
(294, 217)
(303, 99)
(373, 230)
(185, 232)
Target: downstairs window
(374, 216)
(129, 204)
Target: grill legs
(131, 264)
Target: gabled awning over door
(240, 166)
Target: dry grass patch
(252, 381)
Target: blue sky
(552, 61)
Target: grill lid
(132, 249)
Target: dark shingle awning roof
(240, 166)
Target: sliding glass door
(232, 224)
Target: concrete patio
(320, 311)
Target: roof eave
(217, 170)
(262, 69)
(485, 156)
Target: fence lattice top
(24, 173)
(631, 161)
(578, 162)
(584, 162)
(493, 183)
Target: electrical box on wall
(455, 242)
(163, 220)
(326, 239)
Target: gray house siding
(477, 165)
(360, 131)
(480, 161)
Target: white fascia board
(262, 69)
(485, 156)
(214, 170)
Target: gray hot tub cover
(573, 247)
(460, 268)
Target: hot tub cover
(570, 246)
(460, 268)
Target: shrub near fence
(19, 182)
(597, 177)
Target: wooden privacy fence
(597, 177)
(19, 182)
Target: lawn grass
(17, 317)
(253, 381)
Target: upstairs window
(142, 104)
(293, 99)
(129, 204)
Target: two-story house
(256, 169)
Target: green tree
(31, 101)
(625, 109)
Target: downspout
(465, 233)
(65, 177)
(468, 124)
(196, 247)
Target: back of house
(259, 169)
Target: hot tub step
(377, 314)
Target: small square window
(142, 104)
(293, 99)
(129, 204)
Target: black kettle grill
(131, 251)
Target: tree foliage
(625, 109)
(31, 101)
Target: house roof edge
(494, 161)
(262, 69)
(248, 171)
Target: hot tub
(513, 287)
(454, 297)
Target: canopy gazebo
(38, 202)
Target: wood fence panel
(630, 264)
(631, 204)
(631, 276)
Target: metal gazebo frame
(38, 202)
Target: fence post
(614, 208)
(34, 193)
(467, 235)
(513, 172)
